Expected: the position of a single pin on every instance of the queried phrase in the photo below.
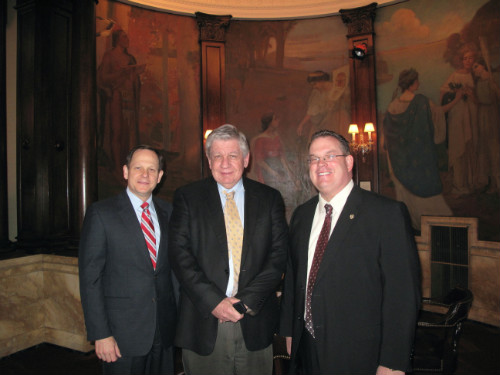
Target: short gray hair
(225, 133)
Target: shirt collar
(338, 201)
(137, 202)
(236, 188)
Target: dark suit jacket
(122, 295)
(199, 256)
(366, 296)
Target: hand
(288, 345)
(299, 129)
(381, 370)
(107, 349)
(225, 311)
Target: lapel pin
(351, 216)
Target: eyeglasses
(327, 158)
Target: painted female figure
(412, 127)
(462, 127)
(269, 164)
(488, 123)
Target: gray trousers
(230, 356)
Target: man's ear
(160, 175)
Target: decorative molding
(212, 28)
(359, 20)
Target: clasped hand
(225, 311)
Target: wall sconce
(362, 147)
(359, 51)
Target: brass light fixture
(359, 146)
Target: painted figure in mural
(352, 290)
(341, 109)
(329, 103)
(488, 123)
(413, 125)
(462, 118)
(118, 77)
(270, 165)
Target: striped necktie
(149, 232)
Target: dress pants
(230, 356)
(159, 361)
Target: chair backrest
(460, 301)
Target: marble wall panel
(40, 302)
(484, 283)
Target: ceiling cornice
(255, 9)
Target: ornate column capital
(212, 28)
(359, 20)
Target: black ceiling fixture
(359, 51)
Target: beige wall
(484, 267)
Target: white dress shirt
(338, 203)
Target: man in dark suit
(214, 273)
(351, 294)
(126, 283)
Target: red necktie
(149, 232)
(318, 255)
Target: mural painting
(285, 80)
(439, 116)
(148, 92)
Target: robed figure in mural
(119, 81)
(413, 125)
(270, 165)
(488, 123)
(462, 128)
(329, 104)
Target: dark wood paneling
(4, 209)
(359, 22)
(54, 104)
(213, 72)
(213, 55)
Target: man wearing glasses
(351, 293)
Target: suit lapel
(347, 219)
(163, 223)
(304, 228)
(215, 215)
(251, 215)
(133, 227)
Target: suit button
(299, 317)
(226, 271)
(153, 300)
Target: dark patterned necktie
(318, 255)
(149, 232)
